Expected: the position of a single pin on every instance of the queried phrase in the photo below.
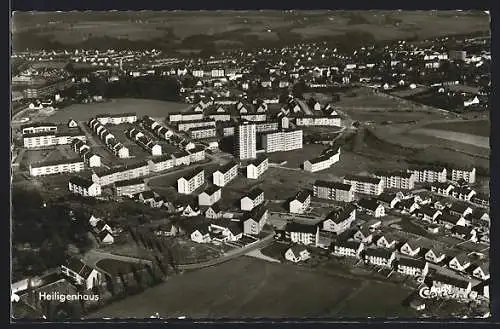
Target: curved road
(230, 255)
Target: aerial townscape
(244, 165)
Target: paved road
(230, 255)
(258, 254)
(92, 257)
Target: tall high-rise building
(246, 141)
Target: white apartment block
(252, 199)
(266, 126)
(50, 138)
(38, 128)
(185, 116)
(257, 168)
(469, 175)
(399, 180)
(188, 184)
(318, 121)
(188, 125)
(246, 141)
(202, 132)
(333, 191)
(56, 167)
(285, 140)
(428, 175)
(226, 174)
(124, 173)
(322, 162)
(365, 184)
(116, 119)
(210, 196)
(161, 163)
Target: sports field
(83, 112)
(253, 288)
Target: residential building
(340, 219)
(116, 119)
(322, 162)
(196, 154)
(363, 234)
(412, 267)
(372, 207)
(435, 255)
(390, 200)
(481, 271)
(202, 132)
(266, 126)
(185, 116)
(213, 211)
(252, 199)
(365, 184)
(312, 120)
(428, 174)
(397, 179)
(51, 138)
(297, 253)
(225, 174)
(246, 141)
(84, 187)
(82, 274)
(379, 257)
(284, 140)
(300, 203)
(210, 196)
(463, 193)
(442, 188)
(302, 233)
(254, 221)
(257, 167)
(386, 241)
(158, 164)
(56, 167)
(188, 125)
(333, 191)
(410, 248)
(110, 176)
(451, 284)
(39, 127)
(347, 248)
(189, 183)
(130, 187)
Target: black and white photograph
(246, 165)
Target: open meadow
(83, 112)
(252, 288)
(231, 26)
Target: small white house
(297, 253)
(82, 274)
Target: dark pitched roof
(258, 161)
(227, 167)
(461, 230)
(302, 196)
(253, 194)
(459, 207)
(370, 204)
(386, 197)
(303, 228)
(401, 174)
(450, 280)
(192, 174)
(211, 189)
(379, 252)
(129, 182)
(364, 179)
(103, 234)
(78, 266)
(416, 263)
(348, 244)
(80, 181)
(215, 207)
(340, 214)
(334, 185)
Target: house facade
(333, 191)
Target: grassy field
(296, 158)
(252, 288)
(473, 127)
(364, 105)
(142, 107)
(464, 138)
(71, 28)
